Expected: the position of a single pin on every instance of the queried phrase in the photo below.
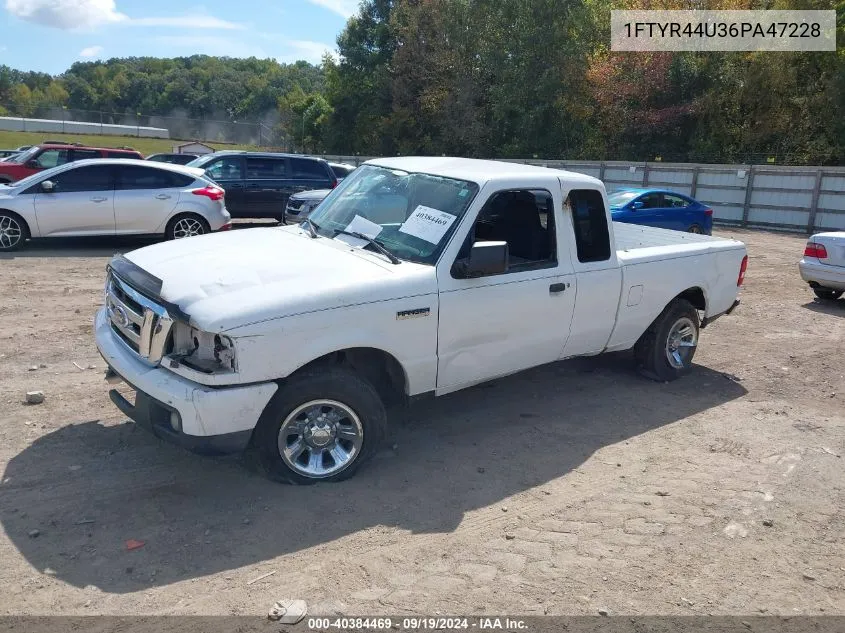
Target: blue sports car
(663, 209)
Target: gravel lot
(564, 490)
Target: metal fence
(805, 199)
(179, 126)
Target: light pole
(64, 109)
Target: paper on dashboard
(427, 224)
(363, 226)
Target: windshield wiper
(312, 228)
(375, 244)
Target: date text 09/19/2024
(416, 623)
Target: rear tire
(186, 225)
(333, 421)
(14, 231)
(827, 295)
(695, 228)
(666, 349)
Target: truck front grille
(143, 325)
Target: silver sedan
(111, 197)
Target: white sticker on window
(427, 224)
(363, 226)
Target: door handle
(98, 199)
(558, 287)
(162, 196)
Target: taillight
(708, 212)
(215, 193)
(334, 184)
(814, 249)
(742, 268)
(226, 227)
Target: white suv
(111, 197)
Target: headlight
(204, 351)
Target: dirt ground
(564, 490)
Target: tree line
(490, 78)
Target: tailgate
(834, 244)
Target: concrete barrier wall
(16, 124)
(805, 199)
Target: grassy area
(147, 146)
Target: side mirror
(32, 164)
(637, 205)
(48, 186)
(485, 258)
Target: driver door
(500, 324)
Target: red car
(49, 155)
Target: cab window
(525, 220)
(589, 221)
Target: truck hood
(232, 279)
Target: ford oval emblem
(119, 316)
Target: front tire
(186, 225)
(827, 295)
(321, 425)
(14, 232)
(665, 351)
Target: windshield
(412, 215)
(621, 198)
(24, 156)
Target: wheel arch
(164, 227)
(695, 295)
(22, 219)
(379, 367)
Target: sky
(50, 35)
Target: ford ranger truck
(415, 276)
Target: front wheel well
(19, 218)
(381, 369)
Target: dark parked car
(259, 184)
(175, 159)
(341, 170)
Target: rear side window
(82, 154)
(227, 168)
(589, 221)
(674, 202)
(308, 169)
(260, 167)
(115, 155)
(137, 177)
(89, 178)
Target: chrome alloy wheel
(681, 342)
(320, 438)
(187, 227)
(10, 232)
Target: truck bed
(636, 244)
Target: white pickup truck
(415, 276)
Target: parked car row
(111, 197)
